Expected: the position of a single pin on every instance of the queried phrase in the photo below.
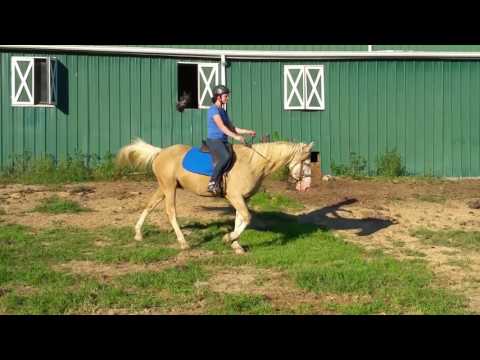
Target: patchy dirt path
(373, 214)
(111, 204)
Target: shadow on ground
(327, 218)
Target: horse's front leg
(242, 220)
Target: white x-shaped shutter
(293, 89)
(314, 93)
(207, 79)
(53, 81)
(22, 72)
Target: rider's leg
(219, 150)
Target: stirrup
(214, 188)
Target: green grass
(468, 240)
(177, 280)
(56, 205)
(316, 260)
(281, 174)
(266, 201)
(322, 263)
(239, 304)
(28, 259)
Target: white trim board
(250, 54)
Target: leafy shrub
(390, 164)
(355, 169)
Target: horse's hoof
(184, 246)
(138, 238)
(237, 248)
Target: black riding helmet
(219, 90)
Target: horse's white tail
(138, 154)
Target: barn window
(34, 81)
(195, 84)
(303, 87)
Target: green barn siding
(427, 110)
(373, 107)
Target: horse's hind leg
(172, 216)
(154, 201)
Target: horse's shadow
(327, 218)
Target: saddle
(205, 149)
(201, 161)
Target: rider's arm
(245, 131)
(218, 120)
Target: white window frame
(300, 80)
(51, 80)
(208, 82)
(314, 83)
(304, 76)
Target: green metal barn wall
(111, 100)
(427, 110)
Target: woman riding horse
(219, 129)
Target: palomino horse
(253, 163)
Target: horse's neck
(269, 157)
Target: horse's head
(300, 167)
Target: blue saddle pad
(198, 162)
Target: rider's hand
(253, 133)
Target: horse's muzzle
(304, 184)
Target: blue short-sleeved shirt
(213, 131)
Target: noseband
(301, 175)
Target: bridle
(252, 148)
(301, 175)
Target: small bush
(73, 169)
(356, 168)
(390, 165)
(106, 169)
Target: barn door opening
(195, 84)
(34, 81)
(187, 86)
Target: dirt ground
(373, 214)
